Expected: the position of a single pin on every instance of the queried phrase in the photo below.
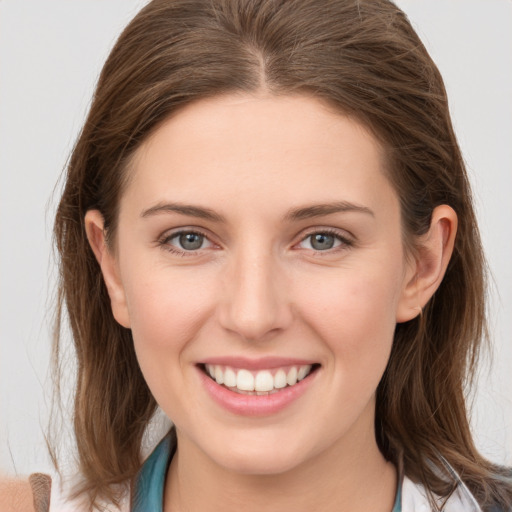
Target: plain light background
(51, 53)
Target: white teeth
(291, 378)
(245, 380)
(303, 371)
(219, 375)
(229, 378)
(264, 381)
(258, 382)
(280, 379)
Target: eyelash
(345, 243)
(166, 246)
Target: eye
(190, 241)
(323, 241)
(186, 241)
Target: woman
(267, 230)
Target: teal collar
(397, 507)
(148, 494)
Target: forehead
(244, 146)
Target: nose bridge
(255, 302)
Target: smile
(262, 382)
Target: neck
(348, 477)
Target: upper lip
(263, 363)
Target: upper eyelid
(171, 233)
(341, 233)
(163, 241)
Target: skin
(257, 287)
(15, 495)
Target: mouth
(262, 382)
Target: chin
(263, 453)
(260, 463)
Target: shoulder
(16, 495)
(49, 494)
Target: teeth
(291, 378)
(280, 379)
(219, 375)
(303, 371)
(244, 380)
(262, 382)
(230, 378)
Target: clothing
(147, 494)
(149, 485)
(149, 497)
(410, 497)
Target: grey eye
(190, 241)
(322, 241)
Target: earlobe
(94, 227)
(426, 270)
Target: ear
(427, 268)
(94, 227)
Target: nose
(255, 304)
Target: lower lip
(255, 405)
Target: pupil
(321, 241)
(191, 241)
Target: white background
(50, 55)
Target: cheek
(166, 307)
(354, 314)
(167, 310)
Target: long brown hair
(363, 58)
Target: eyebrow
(308, 212)
(183, 209)
(319, 210)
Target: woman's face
(259, 239)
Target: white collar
(414, 498)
